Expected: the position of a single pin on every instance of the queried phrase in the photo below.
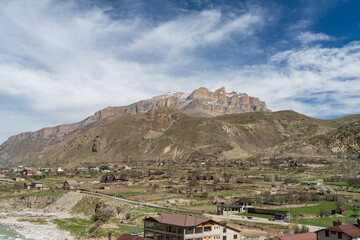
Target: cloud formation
(61, 61)
(309, 37)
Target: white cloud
(63, 63)
(309, 37)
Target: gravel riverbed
(34, 231)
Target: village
(240, 199)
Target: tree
(324, 212)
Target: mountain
(200, 103)
(176, 126)
(169, 134)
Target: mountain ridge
(217, 102)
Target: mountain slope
(169, 134)
(200, 103)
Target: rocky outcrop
(200, 103)
(28, 202)
(32, 146)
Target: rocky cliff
(200, 103)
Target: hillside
(199, 103)
(169, 134)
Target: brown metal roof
(349, 229)
(179, 220)
(131, 237)
(299, 236)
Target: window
(235, 236)
(326, 233)
(180, 230)
(207, 229)
(224, 238)
(340, 235)
(198, 230)
(332, 232)
(224, 230)
(189, 230)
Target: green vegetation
(37, 193)
(321, 222)
(77, 227)
(34, 220)
(85, 206)
(312, 210)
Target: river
(8, 234)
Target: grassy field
(77, 227)
(312, 210)
(321, 222)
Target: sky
(61, 61)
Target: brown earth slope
(169, 134)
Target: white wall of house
(217, 232)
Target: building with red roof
(131, 237)
(340, 231)
(299, 236)
(181, 226)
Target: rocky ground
(28, 216)
(35, 231)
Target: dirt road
(258, 220)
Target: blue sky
(60, 61)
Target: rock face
(200, 103)
(28, 202)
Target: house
(104, 169)
(299, 236)
(104, 179)
(37, 185)
(340, 231)
(17, 179)
(111, 178)
(240, 206)
(70, 184)
(127, 168)
(27, 185)
(310, 183)
(131, 237)
(108, 179)
(28, 172)
(180, 226)
(2, 176)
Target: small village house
(70, 184)
(37, 185)
(18, 179)
(340, 231)
(299, 236)
(240, 206)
